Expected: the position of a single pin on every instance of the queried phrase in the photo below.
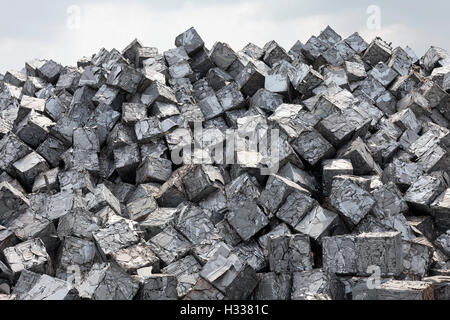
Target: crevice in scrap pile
(96, 204)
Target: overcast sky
(67, 30)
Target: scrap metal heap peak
(141, 174)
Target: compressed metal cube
(318, 223)
(424, 191)
(158, 92)
(201, 63)
(266, 100)
(440, 286)
(305, 78)
(190, 40)
(253, 51)
(244, 214)
(203, 290)
(402, 86)
(25, 282)
(100, 198)
(358, 153)
(124, 77)
(29, 255)
(351, 201)
(417, 255)
(441, 210)
(109, 96)
(279, 230)
(148, 129)
(389, 243)
(278, 79)
(383, 74)
(422, 226)
(406, 120)
(336, 76)
(314, 47)
(126, 160)
(157, 220)
(107, 281)
(51, 149)
(433, 93)
(351, 254)
(222, 55)
(233, 277)
(402, 173)
(154, 169)
(383, 147)
(136, 257)
(164, 110)
(405, 290)
(277, 191)
(295, 207)
(7, 238)
(115, 236)
(289, 253)
(217, 78)
(31, 225)
(194, 223)
(389, 209)
(16, 78)
(443, 243)
(48, 288)
(29, 167)
(332, 168)
(355, 71)
(76, 180)
(313, 147)
(230, 97)
(210, 107)
(121, 135)
(131, 51)
(33, 129)
(11, 150)
(169, 245)
(201, 181)
(182, 70)
(12, 203)
(377, 51)
(86, 139)
(251, 252)
(273, 53)
(80, 223)
(227, 233)
(176, 55)
(33, 85)
(329, 36)
(272, 286)
(187, 272)
(339, 128)
(58, 205)
(75, 252)
(145, 53)
(251, 79)
(315, 281)
(400, 61)
(158, 287)
(356, 42)
(293, 119)
(139, 207)
(299, 176)
(92, 76)
(49, 71)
